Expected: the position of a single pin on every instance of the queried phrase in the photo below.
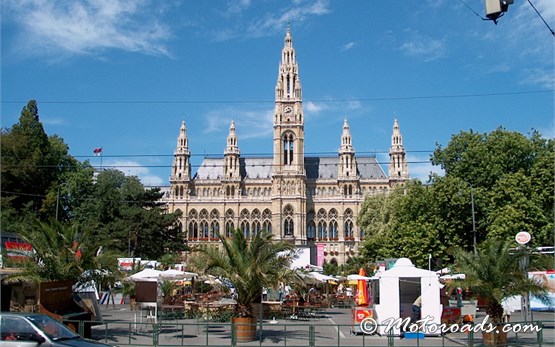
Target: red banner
(18, 250)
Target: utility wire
(548, 27)
(471, 9)
(386, 98)
(246, 155)
(104, 166)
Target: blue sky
(123, 74)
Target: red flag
(97, 151)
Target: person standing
(416, 308)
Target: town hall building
(311, 201)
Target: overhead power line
(128, 166)
(384, 98)
(244, 155)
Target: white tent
(321, 277)
(359, 277)
(145, 275)
(176, 274)
(398, 289)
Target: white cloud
(300, 11)
(133, 168)
(348, 46)
(420, 167)
(86, 27)
(424, 47)
(248, 123)
(313, 107)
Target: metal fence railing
(291, 334)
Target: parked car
(38, 330)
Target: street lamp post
(473, 217)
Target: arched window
(204, 229)
(256, 227)
(348, 228)
(333, 229)
(215, 229)
(322, 231)
(246, 229)
(288, 229)
(193, 230)
(288, 148)
(310, 230)
(288, 225)
(229, 228)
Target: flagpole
(100, 158)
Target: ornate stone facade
(307, 200)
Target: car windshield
(53, 329)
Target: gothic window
(193, 230)
(348, 228)
(245, 214)
(267, 214)
(322, 231)
(204, 229)
(267, 225)
(246, 229)
(310, 230)
(214, 229)
(229, 228)
(203, 214)
(322, 214)
(255, 214)
(333, 229)
(229, 214)
(214, 214)
(256, 227)
(288, 149)
(288, 229)
(193, 214)
(333, 213)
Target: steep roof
(316, 167)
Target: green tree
(493, 273)
(26, 162)
(119, 206)
(64, 253)
(250, 265)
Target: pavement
(124, 327)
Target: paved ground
(126, 327)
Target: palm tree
(249, 264)
(494, 272)
(63, 252)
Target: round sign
(523, 237)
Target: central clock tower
(288, 174)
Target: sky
(124, 74)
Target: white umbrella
(321, 277)
(358, 277)
(177, 274)
(145, 275)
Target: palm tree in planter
(494, 272)
(250, 265)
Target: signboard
(18, 251)
(320, 254)
(126, 264)
(523, 237)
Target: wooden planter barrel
(495, 338)
(245, 329)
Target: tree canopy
(507, 176)
(43, 185)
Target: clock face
(287, 109)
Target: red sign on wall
(18, 250)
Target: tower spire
(231, 154)
(397, 155)
(181, 167)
